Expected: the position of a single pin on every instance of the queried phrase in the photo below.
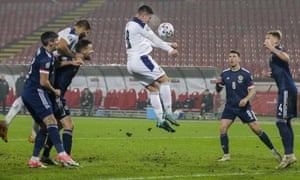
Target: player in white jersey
(140, 40)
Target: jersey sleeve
(250, 81)
(45, 65)
(155, 40)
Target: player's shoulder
(226, 71)
(245, 70)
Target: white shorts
(144, 69)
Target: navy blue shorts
(38, 104)
(287, 105)
(61, 108)
(245, 114)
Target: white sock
(156, 105)
(34, 158)
(14, 110)
(165, 94)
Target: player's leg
(157, 107)
(224, 139)
(67, 135)
(226, 121)
(264, 138)
(285, 110)
(166, 98)
(14, 110)
(147, 72)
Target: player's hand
(268, 44)
(174, 45)
(218, 80)
(266, 74)
(77, 62)
(243, 102)
(173, 53)
(57, 92)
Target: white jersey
(70, 36)
(139, 39)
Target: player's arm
(63, 48)
(281, 54)
(44, 82)
(251, 94)
(219, 85)
(157, 42)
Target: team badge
(47, 65)
(240, 79)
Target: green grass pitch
(105, 151)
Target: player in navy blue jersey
(63, 78)
(240, 89)
(287, 95)
(36, 99)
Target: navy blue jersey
(64, 75)
(34, 96)
(237, 84)
(42, 63)
(287, 90)
(281, 72)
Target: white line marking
(204, 175)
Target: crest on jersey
(47, 65)
(240, 79)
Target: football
(165, 30)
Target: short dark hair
(235, 52)
(48, 36)
(145, 9)
(83, 23)
(81, 44)
(275, 33)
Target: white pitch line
(203, 175)
(184, 137)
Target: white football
(165, 30)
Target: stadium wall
(186, 83)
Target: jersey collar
(137, 20)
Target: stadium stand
(205, 40)
(204, 29)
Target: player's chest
(235, 81)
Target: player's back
(64, 75)
(135, 41)
(281, 72)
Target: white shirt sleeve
(155, 40)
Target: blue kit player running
(36, 99)
(287, 95)
(240, 89)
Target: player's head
(49, 39)
(145, 13)
(234, 59)
(274, 36)
(82, 28)
(85, 48)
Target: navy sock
(54, 136)
(47, 147)
(265, 139)
(289, 124)
(67, 140)
(39, 142)
(224, 143)
(286, 136)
